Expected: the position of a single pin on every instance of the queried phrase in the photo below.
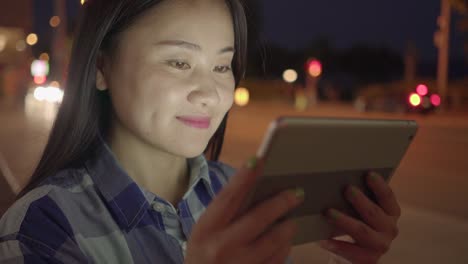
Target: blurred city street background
(394, 60)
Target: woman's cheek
(228, 94)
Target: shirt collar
(127, 201)
(199, 172)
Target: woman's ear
(101, 83)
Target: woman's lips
(194, 121)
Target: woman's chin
(190, 151)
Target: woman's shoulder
(37, 227)
(43, 203)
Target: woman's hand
(224, 234)
(373, 234)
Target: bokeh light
(314, 68)
(54, 21)
(301, 102)
(40, 68)
(290, 75)
(435, 100)
(50, 94)
(32, 39)
(241, 96)
(415, 99)
(422, 89)
(44, 56)
(40, 79)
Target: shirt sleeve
(38, 232)
(15, 251)
(30, 251)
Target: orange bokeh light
(40, 79)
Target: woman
(123, 178)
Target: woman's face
(170, 79)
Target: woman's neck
(162, 173)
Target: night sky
(293, 24)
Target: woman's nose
(205, 90)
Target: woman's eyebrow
(190, 46)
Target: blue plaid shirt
(98, 214)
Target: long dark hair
(84, 115)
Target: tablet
(323, 156)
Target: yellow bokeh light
(241, 96)
(44, 56)
(415, 99)
(83, 1)
(54, 21)
(290, 76)
(301, 102)
(32, 39)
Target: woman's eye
(179, 65)
(222, 69)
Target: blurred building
(16, 21)
(17, 13)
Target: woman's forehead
(207, 21)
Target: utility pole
(442, 38)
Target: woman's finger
(270, 242)
(370, 212)
(253, 223)
(364, 235)
(280, 256)
(384, 194)
(232, 196)
(350, 251)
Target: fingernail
(333, 214)
(251, 163)
(300, 193)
